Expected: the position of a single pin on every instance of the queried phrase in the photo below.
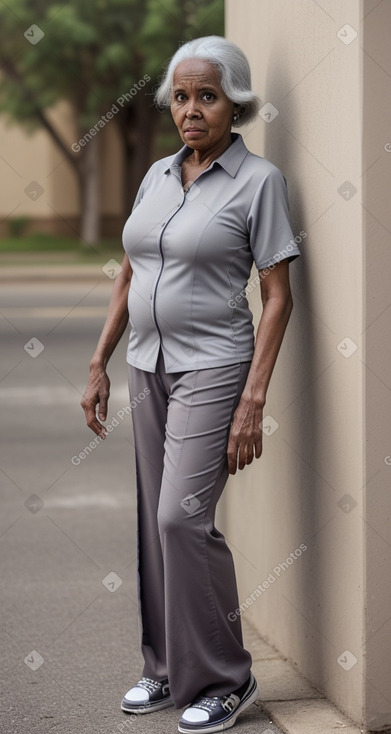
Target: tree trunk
(138, 128)
(89, 182)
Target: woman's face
(200, 109)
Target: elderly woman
(201, 218)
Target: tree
(103, 56)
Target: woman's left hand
(245, 437)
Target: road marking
(85, 500)
(58, 394)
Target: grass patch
(45, 248)
(49, 243)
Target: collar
(230, 160)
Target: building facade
(309, 522)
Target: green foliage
(92, 51)
(41, 243)
(18, 225)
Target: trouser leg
(187, 585)
(149, 420)
(204, 648)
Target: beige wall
(332, 410)
(377, 231)
(35, 158)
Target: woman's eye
(207, 96)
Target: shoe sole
(147, 709)
(251, 698)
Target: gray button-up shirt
(191, 255)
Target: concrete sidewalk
(54, 557)
(287, 703)
(288, 699)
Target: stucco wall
(311, 485)
(39, 182)
(377, 481)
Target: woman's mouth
(193, 131)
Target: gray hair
(234, 70)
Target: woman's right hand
(98, 387)
(96, 394)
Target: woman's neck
(203, 158)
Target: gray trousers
(186, 577)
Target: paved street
(69, 631)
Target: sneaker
(147, 695)
(219, 712)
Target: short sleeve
(140, 193)
(138, 198)
(270, 235)
(143, 186)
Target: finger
(250, 454)
(258, 447)
(232, 452)
(232, 463)
(242, 456)
(92, 421)
(103, 405)
(246, 455)
(97, 427)
(232, 468)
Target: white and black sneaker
(219, 712)
(147, 695)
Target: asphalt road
(69, 628)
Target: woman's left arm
(245, 438)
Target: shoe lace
(209, 704)
(150, 685)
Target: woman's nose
(192, 109)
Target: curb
(287, 697)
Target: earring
(236, 118)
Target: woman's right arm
(98, 387)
